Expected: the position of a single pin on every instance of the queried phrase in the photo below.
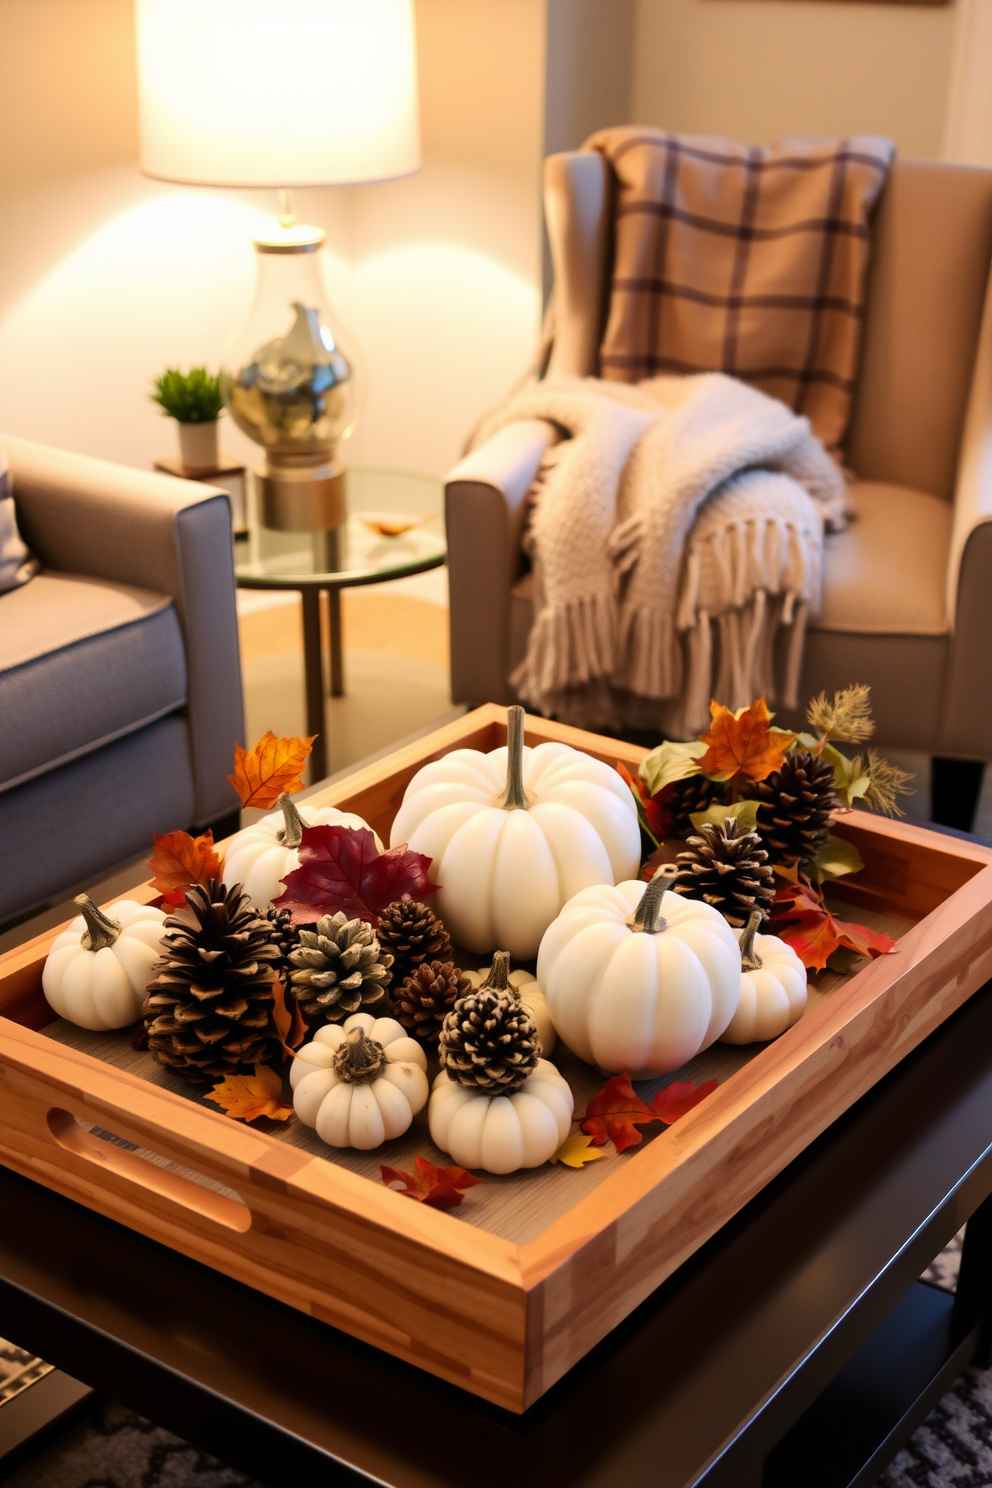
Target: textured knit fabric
(746, 260)
(672, 534)
(16, 563)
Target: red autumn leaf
(441, 1188)
(651, 808)
(677, 1099)
(179, 861)
(745, 746)
(616, 1112)
(273, 768)
(801, 918)
(340, 869)
(287, 1019)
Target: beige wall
(756, 69)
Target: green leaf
(670, 762)
(836, 858)
(746, 812)
(807, 741)
(850, 777)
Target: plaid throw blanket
(749, 261)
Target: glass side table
(394, 529)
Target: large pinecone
(427, 996)
(726, 866)
(686, 797)
(285, 937)
(339, 969)
(489, 1040)
(796, 803)
(208, 1011)
(413, 934)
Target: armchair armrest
(484, 512)
(86, 516)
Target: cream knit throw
(675, 530)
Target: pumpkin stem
(514, 798)
(291, 834)
(750, 960)
(359, 1059)
(499, 972)
(647, 916)
(100, 930)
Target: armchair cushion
(886, 574)
(83, 661)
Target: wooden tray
(503, 1296)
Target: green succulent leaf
(836, 858)
(670, 762)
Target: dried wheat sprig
(845, 717)
(886, 783)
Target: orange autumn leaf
(616, 1112)
(801, 918)
(272, 769)
(743, 746)
(678, 1099)
(440, 1188)
(247, 1097)
(287, 1019)
(179, 861)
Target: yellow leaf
(576, 1151)
(246, 1097)
(272, 769)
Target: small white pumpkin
(773, 988)
(513, 834)
(97, 970)
(359, 1083)
(639, 978)
(527, 987)
(260, 856)
(501, 1133)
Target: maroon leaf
(340, 869)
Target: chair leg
(955, 786)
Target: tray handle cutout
(149, 1170)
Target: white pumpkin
(514, 834)
(501, 1133)
(525, 984)
(259, 857)
(639, 978)
(773, 988)
(97, 970)
(359, 1083)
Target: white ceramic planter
(198, 446)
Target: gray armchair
(908, 588)
(120, 679)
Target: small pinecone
(694, 793)
(727, 867)
(339, 969)
(427, 996)
(208, 1011)
(284, 937)
(796, 802)
(489, 1040)
(413, 934)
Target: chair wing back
(931, 254)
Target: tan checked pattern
(749, 261)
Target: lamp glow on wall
(283, 93)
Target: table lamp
(283, 93)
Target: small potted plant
(194, 400)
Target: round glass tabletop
(395, 527)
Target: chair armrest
(484, 512)
(86, 516)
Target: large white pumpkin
(514, 834)
(359, 1083)
(98, 968)
(260, 856)
(639, 978)
(773, 988)
(502, 1133)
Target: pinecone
(339, 969)
(796, 802)
(727, 867)
(208, 1010)
(427, 996)
(413, 934)
(694, 793)
(489, 1040)
(284, 937)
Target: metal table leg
(313, 669)
(334, 635)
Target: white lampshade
(277, 92)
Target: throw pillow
(16, 563)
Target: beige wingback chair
(908, 588)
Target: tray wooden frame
(501, 1320)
